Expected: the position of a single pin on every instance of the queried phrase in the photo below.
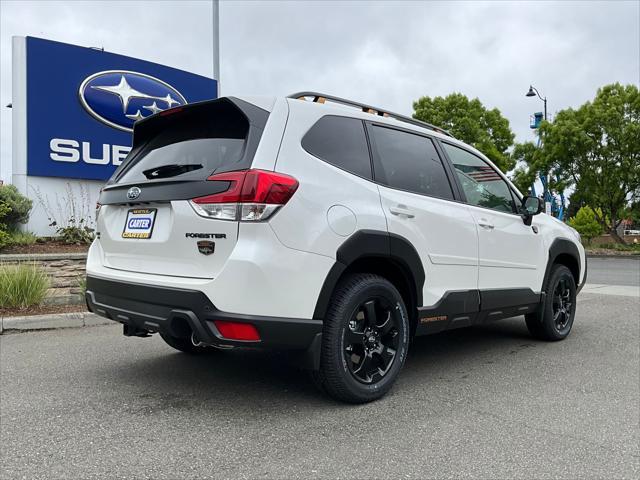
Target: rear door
(418, 202)
(146, 223)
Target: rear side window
(340, 141)
(191, 145)
(408, 162)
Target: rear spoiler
(226, 108)
(154, 124)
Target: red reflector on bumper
(237, 331)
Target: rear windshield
(191, 145)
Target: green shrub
(19, 204)
(82, 284)
(22, 285)
(22, 238)
(629, 247)
(586, 224)
(76, 231)
(4, 234)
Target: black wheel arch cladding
(373, 244)
(565, 252)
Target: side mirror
(530, 206)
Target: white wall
(58, 199)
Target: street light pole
(546, 194)
(532, 93)
(215, 7)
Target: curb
(55, 320)
(609, 255)
(29, 257)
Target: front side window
(340, 141)
(408, 162)
(482, 185)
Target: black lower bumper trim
(163, 309)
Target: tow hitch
(132, 331)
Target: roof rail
(323, 98)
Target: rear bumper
(163, 309)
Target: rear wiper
(170, 170)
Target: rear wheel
(555, 319)
(364, 341)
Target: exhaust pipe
(198, 343)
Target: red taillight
(251, 195)
(237, 331)
(266, 187)
(233, 192)
(252, 186)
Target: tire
(185, 345)
(365, 339)
(554, 320)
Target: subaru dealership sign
(74, 109)
(82, 103)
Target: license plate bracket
(139, 223)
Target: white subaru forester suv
(317, 224)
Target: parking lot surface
(484, 402)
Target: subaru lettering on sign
(82, 103)
(120, 98)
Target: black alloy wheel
(370, 341)
(554, 319)
(562, 305)
(365, 339)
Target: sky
(386, 54)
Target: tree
(577, 200)
(596, 149)
(586, 224)
(524, 156)
(471, 122)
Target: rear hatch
(146, 223)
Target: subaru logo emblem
(133, 193)
(119, 98)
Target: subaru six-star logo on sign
(119, 98)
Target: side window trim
(447, 172)
(500, 174)
(458, 193)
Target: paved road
(486, 402)
(614, 271)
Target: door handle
(401, 211)
(484, 223)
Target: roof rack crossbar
(322, 98)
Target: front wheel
(365, 339)
(555, 319)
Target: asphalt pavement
(485, 402)
(614, 271)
